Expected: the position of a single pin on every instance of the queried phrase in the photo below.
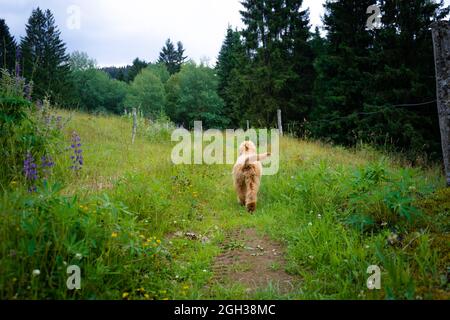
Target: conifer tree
(7, 47)
(171, 57)
(45, 61)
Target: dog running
(247, 175)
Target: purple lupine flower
(77, 157)
(30, 171)
(47, 165)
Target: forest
(345, 84)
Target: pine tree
(342, 84)
(171, 57)
(181, 58)
(281, 73)
(7, 47)
(230, 62)
(405, 75)
(44, 56)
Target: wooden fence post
(280, 123)
(441, 41)
(134, 125)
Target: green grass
(334, 210)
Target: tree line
(346, 84)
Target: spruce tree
(44, 54)
(7, 47)
(171, 57)
(281, 73)
(342, 83)
(230, 62)
(405, 76)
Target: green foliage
(80, 61)
(147, 92)
(369, 81)
(7, 47)
(52, 232)
(192, 95)
(136, 68)
(24, 129)
(159, 70)
(96, 91)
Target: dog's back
(247, 178)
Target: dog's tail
(252, 159)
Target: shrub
(26, 130)
(147, 92)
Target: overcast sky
(114, 32)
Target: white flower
(36, 272)
(311, 257)
(319, 216)
(78, 256)
(310, 224)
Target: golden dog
(247, 174)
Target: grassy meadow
(140, 227)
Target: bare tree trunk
(280, 123)
(441, 40)
(133, 137)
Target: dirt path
(254, 261)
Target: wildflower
(114, 235)
(185, 287)
(147, 296)
(47, 164)
(30, 170)
(78, 256)
(319, 216)
(125, 295)
(36, 272)
(77, 157)
(310, 224)
(158, 241)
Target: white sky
(114, 32)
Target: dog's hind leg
(251, 195)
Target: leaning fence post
(280, 124)
(441, 41)
(134, 125)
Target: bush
(96, 91)
(28, 133)
(147, 92)
(192, 95)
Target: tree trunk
(441, 40)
